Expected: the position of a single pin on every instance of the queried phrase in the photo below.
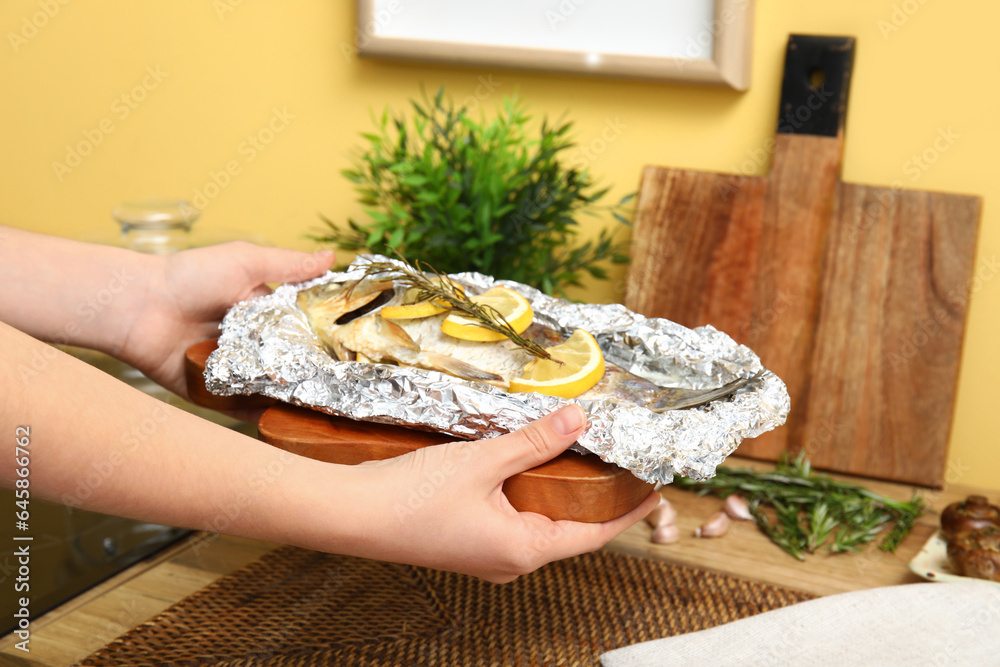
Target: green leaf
(814, 511)
(480, 191)
(395, 239)
(398, 211)
(413, 180)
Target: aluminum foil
(267, 347)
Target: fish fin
(396, 334)
(678, 399)
(341, 352)
(329, 342)
(452, 366)
(333, 345)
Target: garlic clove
(666, 534)
(663, 514)
(736, 507)
(714, 527)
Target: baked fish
(345, 317)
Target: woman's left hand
(188, 293)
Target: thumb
(281, 265)
(538, 442)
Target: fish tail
(678, 399)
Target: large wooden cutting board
(571, 486)
(855, 296)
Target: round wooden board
(571, 486)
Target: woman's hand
(144, 309)
(186, 295)
(444, 507)
(126, 453)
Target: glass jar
(163, 226)
(156, 227)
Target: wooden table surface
(91, 620)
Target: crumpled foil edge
(267, 347)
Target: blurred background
(167, 95)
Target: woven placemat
(300, 607)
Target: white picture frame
(690, 41)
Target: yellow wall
(223, 73)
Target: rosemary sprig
(437, 287)
(803, 512)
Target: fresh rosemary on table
(813, 511)
(437, 287)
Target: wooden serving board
(570, 486)
(855, 296)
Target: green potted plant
(461, 194)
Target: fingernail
(323, 254)
(568, 420)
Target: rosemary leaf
(437, 287)
(777, 536)
(814, 511)
(821, 526)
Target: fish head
(332, 304)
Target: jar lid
(156, 214)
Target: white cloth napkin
(915, 624)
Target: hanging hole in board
(816, 78)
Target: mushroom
(977, 553)
(973, 513)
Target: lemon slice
(582, 367)
(413, 309)
(513, 307)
